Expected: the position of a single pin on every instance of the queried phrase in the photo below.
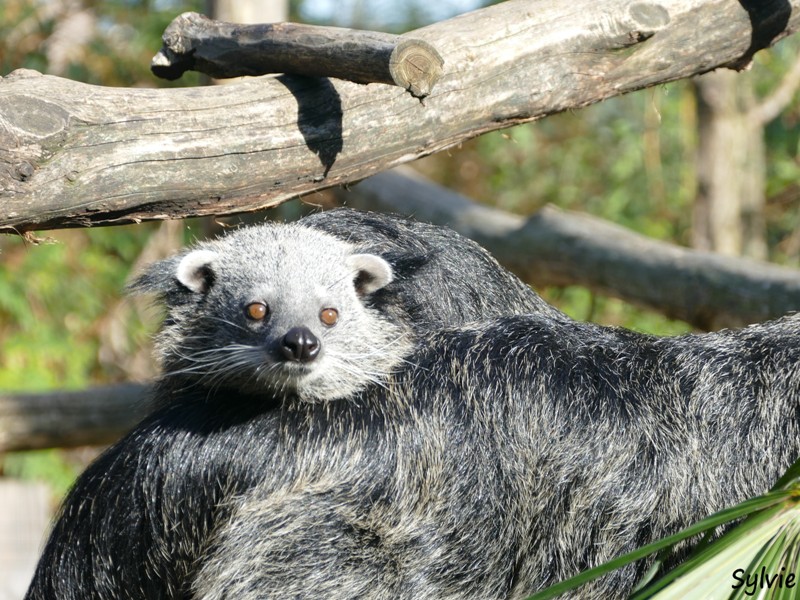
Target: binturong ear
(178, 274)
(194, 270)
(371, 273)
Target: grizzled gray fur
(481, 460)
(253, 316)
(138, 521)
(510, 456)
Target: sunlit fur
(210, 341)
(509, 456)
(495, 456)
(139, 521)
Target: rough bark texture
(73, 154)
(556, 247)
(222, 50)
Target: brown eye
(257, 311)
(329, 316)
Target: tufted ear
(192, 271)
(371, 273)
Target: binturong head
(275, 309)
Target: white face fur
(281, 309)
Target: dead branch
(222, 50)
(73, 154)
(774, 104)
(68, 419)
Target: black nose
(300, 344)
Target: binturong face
(277, 309)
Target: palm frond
(757, 558)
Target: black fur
(506, 455)
(442, 278)
(553, 447)
(184, 462)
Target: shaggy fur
(491, 459)
(137, 521)
(442, 278)
(511, 456)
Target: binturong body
(138, 522)
(476, 460)
(512, 455)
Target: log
(73, 154)
(92, 417)
(559, 248)
(222, 50)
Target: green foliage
(56, 298)
(581, 304)
(126, 35)
(609, 160)
(53, 299)
(52, 466)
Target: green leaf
(754, 505)
(709, 574)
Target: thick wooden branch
(73, 154)
(68, 419)
(556, 247)
(195, 42)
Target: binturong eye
(329, 316)
(257, 311)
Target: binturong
(260, 323)
(509, 455)
(484, 458)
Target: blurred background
(650, 161)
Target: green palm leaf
(765, 547)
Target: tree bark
(73, 154)
(731, 161)
(223, 50)
(729, 209)
(556, 247)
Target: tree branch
(770, 107)
(93, 417)
(195, 42)
(73, 154)
(556, 247)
